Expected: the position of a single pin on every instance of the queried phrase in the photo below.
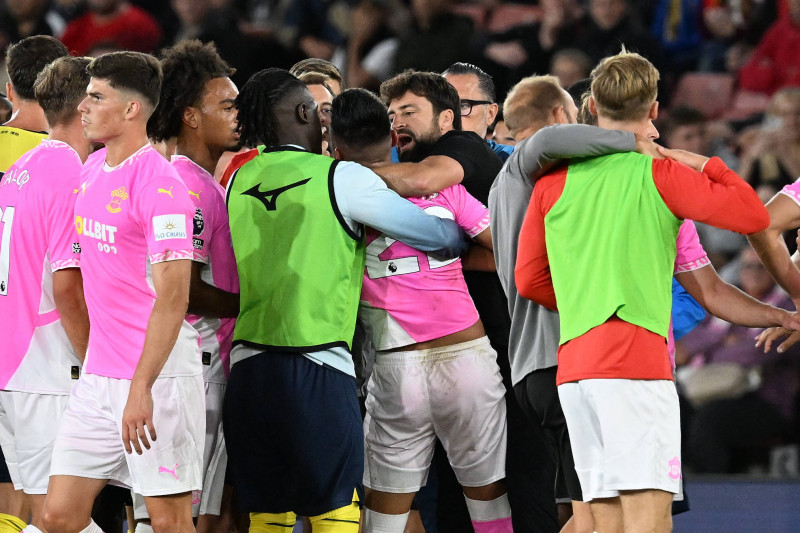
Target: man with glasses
(478, 107)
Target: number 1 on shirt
(7, 218)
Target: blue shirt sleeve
(686, 312)
(364, 198)
(503, 151)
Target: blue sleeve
(363, 197)
(503, 151)
(686, 312)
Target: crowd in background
(730, 87)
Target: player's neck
(634, 126)
(199, 152)
(72, 134)
(27, 116)
(120, 148)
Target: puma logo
(195, 194)
(168, 471)
(165, 191)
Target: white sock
(143, 527)
(92, 528)
(482, 511)
(375, 522)
(30, 528)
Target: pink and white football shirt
(129, 217)
(211, 238)
(690, 256)
(409, 296)
(792, 191)
(37, 238)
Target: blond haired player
(605, 228)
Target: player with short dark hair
(28, 125)
(24, 130)
(143, 375)
(197, 109)
(47, 326)
(435, 374)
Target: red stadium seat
(746, 104)
(708, 93)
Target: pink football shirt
(129, 217)
(792, 191)
(37, 238)
(211, 238)
(409, 296)
(691, 256)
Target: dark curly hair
(429, 85)
(187, 67)
(257, 102)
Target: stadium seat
(745, 104)
(708, 93)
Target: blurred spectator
(319, 26)
(570, 65)
(758, 412)
(771, 157)
(22, 18)
(723, 22)
(263, 24)
(435, 39)
(264, 19)
(372, 44)
(203, 20)
(527, 49)
(678, 27)
(775, 62)
(611, 26)
(112, 21)
(688, 129)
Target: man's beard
(417, 153)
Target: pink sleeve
(165, 213)
(691, 254)
(471, 215)
(203, 220)
(65, 252)
(792, 191)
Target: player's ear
(653, 114)
(592, 105)
(190, 117)
(303, 113)
(394, 138)
(132, 108)
(559, 115)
